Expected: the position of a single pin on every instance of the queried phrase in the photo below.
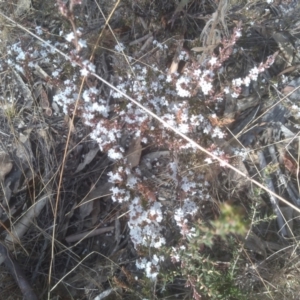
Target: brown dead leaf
(289, 164)
(24, 89)
(44, 101)
(23, 146)
(69, 122)
(287, 89)
(215, 121)
(5, 165)
(134, 152)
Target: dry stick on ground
(17, 274)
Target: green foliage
(208, 276)
(199, 258)
(231, 220)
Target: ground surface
(149, 149)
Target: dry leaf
(24, 151)
(134, 152)
(174, 67)
(5, 165)
(48, 111)
(215, 121)
(41, 73)
(290, 165)
(288, 214)
(256, 244)
(24, 89)
(86, 206)
(68, 121)
(44, 101)
(87, 159)
(95, 212)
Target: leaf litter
(92, 239)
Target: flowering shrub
(187, 101)
(179, 100)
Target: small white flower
(226, 90)
(84, 72)
(247, 81)
(69, 37)
(205, 86)
(82, 43)
(114, 155)
(238, 33)
(213, 61)
(234, 95)
(38, 30)
(169, 78)
(237, 82)
(208, 160)
(119, 47)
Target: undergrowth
(108, 122)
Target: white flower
(208, 160)
(88, 67)
(38, 30)
(82, 43)
(213, 60)
(169, 78)
(217, 132)
(119, 47)
(234, 95)
(237, 82)
(247, 81)
(84, 72)
(238, 33)
(205, 86)
(226, 90)
(69, 37)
